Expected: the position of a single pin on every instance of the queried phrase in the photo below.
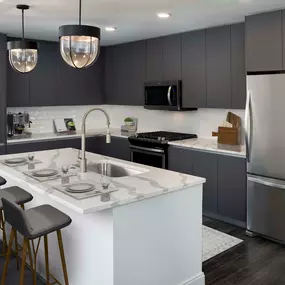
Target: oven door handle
(169, 95)
(147, 149)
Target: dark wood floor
(13, 276)
(254, 262)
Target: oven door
(148, 156)
(162, 95)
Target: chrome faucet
(83, 163)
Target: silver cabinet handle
(248, 126)
(168, 95)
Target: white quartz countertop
(53, 136)
(211, 145)
(152, 182)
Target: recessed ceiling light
(110, 29)
(163, 15)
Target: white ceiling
(134, 19)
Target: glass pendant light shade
(23, 55)
(79, 45)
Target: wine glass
(105, 181)
(31, 156)
(64, 169)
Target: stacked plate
(80, 188)
(46, 172)
(14, 161)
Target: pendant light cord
(80, 12)
(23, 25)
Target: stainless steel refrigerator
(265, 144)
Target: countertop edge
(202, 149)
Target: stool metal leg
(22, 273)
(12, 236)
(17, 250)
(47, 259)
(60, 245)
(2, 222)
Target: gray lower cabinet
(194, 82)
(3, 87)
(264, 42)
(218, 52)
(118, 148)
(224, 193)
(232, 187)
(238, 72)
(2, 149)
(181, 160)
(206, 165)
(43, 145)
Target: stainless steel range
(152, 148)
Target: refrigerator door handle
(248, 126)
(267, 181)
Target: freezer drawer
(266, 207)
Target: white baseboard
(196, 280)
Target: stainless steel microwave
(164, 95)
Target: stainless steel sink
(112, 169)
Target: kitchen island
(148, 231)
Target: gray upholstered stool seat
(15, 194)
(43, 220)
(2, 181)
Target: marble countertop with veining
(53, 136)
(211, 145)
(152, 182)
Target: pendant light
(23, 55)
(79, 44)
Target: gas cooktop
(162, 136)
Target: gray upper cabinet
(43, 80)
(218, 52)
(232, 187)
(238, 73)
(154, 59)
(264, 42)
(194, 82)
(3, 87)
(206, 165)
(172, 57)
(125, 71)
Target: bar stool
(35, 223)
(20, 197)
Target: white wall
(201, 122)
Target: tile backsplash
(201, 122)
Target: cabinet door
(2, 150)
(3, 87)
(206, 165)
(264, 42)
(118, 148)
(218, 50)
(43, 80)
(172, 57)
(232, 187)
(80, 86)
(194, 70)
(283, 37)
(138, 73)
(109, 75)
(181, 160)
(154, 59)
(238, 72)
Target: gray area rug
(215, 242)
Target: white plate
(80, 188)
(47, 172)
(15, 160)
